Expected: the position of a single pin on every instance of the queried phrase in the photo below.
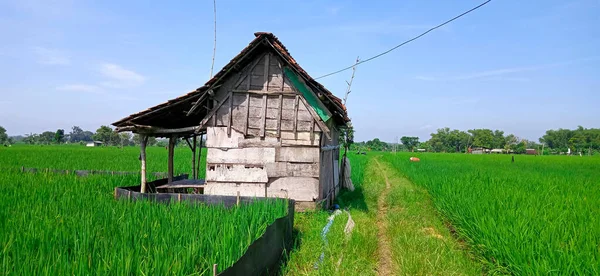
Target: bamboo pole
(199, 156)
(143, 142)
(172, 140)
(194, 175)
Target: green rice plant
(538, 215)
(77, 157)
(66, 225)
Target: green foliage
(536, 216)
(3, 136)
(410, 142)
(107, 136)
(59, 136)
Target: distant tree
(47, 137)
(482, 137)
(137, 140)
(105, 135)
(3, 136)
(125, 139)
(410, 142)
(59, 136)
(346, 137)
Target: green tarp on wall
(310, 97)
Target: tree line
(77, 135)
(584, 140)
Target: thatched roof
(173, 113)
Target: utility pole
(346, 140)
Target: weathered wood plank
(296, 116)
(297, 188)
(236, 173)
(279, 115)
(247, 115)
(230, 113)
(211, 114)
(172, 141)
(266, 72)
(298, 154)
(251, 156)
(263, 125)
(317, 119)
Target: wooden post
(144, 140)
(214, 269)
(199, 157)
(296, 117)
(263, 124)
(247, 114)
(194, 176)
(172, 140)
(230, 115)
(279, 113)
(237, 202)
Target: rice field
(53, 224)
(538, 215)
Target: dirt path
(385, 266)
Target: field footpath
(419, 240)
(397, 231)
(385, 253)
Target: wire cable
(215, 42)
(405, 42)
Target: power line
(406, 42)
(215, 42)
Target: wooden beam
(143, 129)
(296, 117)
(229, 116)
(198, 102)
(279, 115)
(247, 114)
(172, 140)
(312, 132)
(266, 72)
(211, 113)
(320, 123)
(260, 92)
(144, 140)
(263, 125)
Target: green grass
(410, 214)
(54, 224)
(539, 215)
(77, 157)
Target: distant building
(479, 150)
(531, 151)
(94, 144)
(421, 150)
(497, 151)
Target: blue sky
(519, 66)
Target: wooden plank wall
(329, 163)
(263, 141)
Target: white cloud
(497, 74)
(425, 127)
(120, 77)
(79, 88)
(50, 56)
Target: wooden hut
(271, 129)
